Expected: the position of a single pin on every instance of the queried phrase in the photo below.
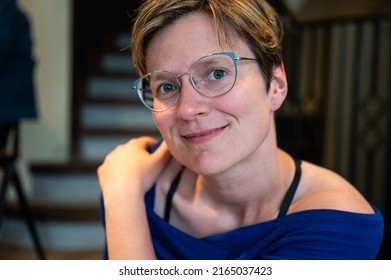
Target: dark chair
(8, 157)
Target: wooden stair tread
(56, 211)
(110, 100)
(117, 131)
(71, 167)
(12, 252)
(113, 74)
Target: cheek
(164, 122)
(252, 90)
(255, 116)
(249, 102)
(158, 122)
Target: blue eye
(216, 74)
(166, 90)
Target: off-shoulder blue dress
(312, 234)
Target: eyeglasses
(211, 75)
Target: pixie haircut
(255, 21)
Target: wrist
(117, 198)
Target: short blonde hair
(255, 21)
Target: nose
(191, 103)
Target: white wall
(46, 139)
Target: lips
(203, 136)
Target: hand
(130, 169)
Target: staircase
(66, 197)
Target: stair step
(65, 205)
(101, 73)
(55, 211)
(112, 100)
(120, 63)
(17, 252)
(116, 116)
(112, 86)
(129, 133)
(55, 235)
(72, 167)
(122, 41)
(66, 188)
(96, 144)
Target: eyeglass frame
(231, 55)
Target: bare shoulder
(321, 188)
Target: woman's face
(212, 135)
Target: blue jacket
(17, 99)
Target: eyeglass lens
(211, 76)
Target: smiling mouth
(204, 136)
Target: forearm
(126, 174)
(127, 230)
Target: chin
(207, 167)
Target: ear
(278, 88)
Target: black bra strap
(291, 191)
(284, 206)
(171, 192)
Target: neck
(251, 191)
(254, 188)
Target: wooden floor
(15, 253)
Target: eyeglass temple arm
(244, 58)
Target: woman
(218, 187)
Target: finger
(146, 141)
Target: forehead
(176, 46)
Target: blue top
(312, 234)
